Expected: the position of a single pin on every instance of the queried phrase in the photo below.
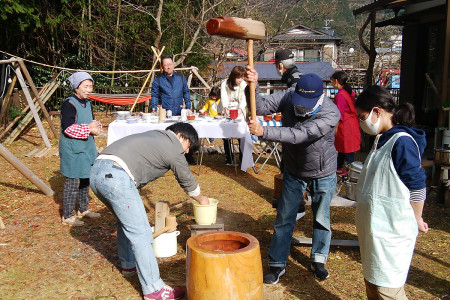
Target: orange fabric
(119, 99)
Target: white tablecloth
(208, 128)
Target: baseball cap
(308, 90)
(283, 54)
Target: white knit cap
(78, 77)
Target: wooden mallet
(244, 29)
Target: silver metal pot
(122, 115)
(355, 170)
(350, 190)
(442, 156)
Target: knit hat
(283, 55)
(308, 90)
(78, 77)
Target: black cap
(283, 54)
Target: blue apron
(77, 156)
(385, 221)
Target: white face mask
(368, 127)
(301, 111)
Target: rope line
(91, 71)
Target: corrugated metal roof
(267, 71)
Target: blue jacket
(405, 157)
(170, 91)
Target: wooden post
(5, 103)
(161, 212)
(46, 94)
(25, 171)
(38, 98)
(148, 77)
(195, 71)
(32, 108)
(445, 87)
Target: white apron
(385, 222)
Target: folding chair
(273, 147)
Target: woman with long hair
(232, 95)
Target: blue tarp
(267, 71)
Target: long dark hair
(236, 72)
(376, 96)
(342, 78)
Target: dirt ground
(42, 259)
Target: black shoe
(274, 275)
(319, 270)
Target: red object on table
(233, 114)
(268, 118)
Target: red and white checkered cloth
(80, 131)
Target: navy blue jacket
(170, 92)
(405, 157)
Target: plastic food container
(165, 245)
(205, 214)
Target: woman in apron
(390, 193)
(77, 150)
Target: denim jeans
(321, 190)
(117, 191)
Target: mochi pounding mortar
(244, 29)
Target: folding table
(206, 128)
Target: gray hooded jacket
(308, 142)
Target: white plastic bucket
(165, 245)
(205, 214)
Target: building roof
(267, 71)
(302, 32)
(406, 11)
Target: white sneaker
(300, 215)
(88, 214)
(72, 221)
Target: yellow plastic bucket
(205, 214)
